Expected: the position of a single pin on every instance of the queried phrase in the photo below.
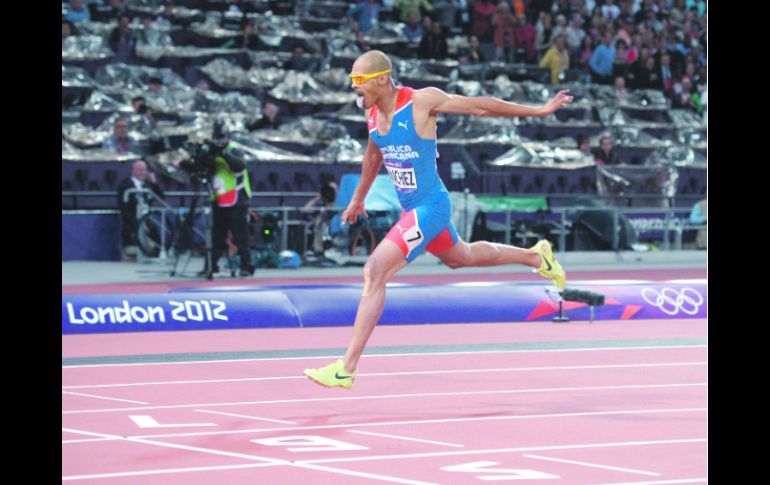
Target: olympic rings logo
(672, 301)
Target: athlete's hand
(355, 207)
(558, 101)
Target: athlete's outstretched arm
(370, 166)
(438, 101)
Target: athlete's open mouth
(360, 101)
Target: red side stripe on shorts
(441, 243)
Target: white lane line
(413, 354)
(237, 467)
(313, 464)
(144, 421)
(247, 417)
(507, 450)
(360, 474)
(661, 482)
(436, 421)
(177, 446)
(427, 421)
(392, 396)
(87, 440)
(102, 397)
(266, 461)
(405, 438)
(593, 465)
(424, 421)
(412, 373)
(164, 470)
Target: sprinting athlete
(402, 136)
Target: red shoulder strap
(371, 122)
(404, 96)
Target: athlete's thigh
(387, 255)
(456, 255)
(419, 227)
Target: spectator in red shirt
(524, 40)
(502, 22)
(482, 19)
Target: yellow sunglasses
(359, 79)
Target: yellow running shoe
(549, 267)
(332, 375)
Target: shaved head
(374, 89)
(372, 61)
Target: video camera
(201, 165)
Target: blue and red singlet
(426, 223)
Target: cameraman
(230, 202)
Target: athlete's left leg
(483, 253)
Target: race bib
(403, 178)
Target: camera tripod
(159, 231)
(185, 240)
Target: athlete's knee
(459, 257)
(454, 263)
(374, 273)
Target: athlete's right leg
(386, 260)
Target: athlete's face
(366, 89)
